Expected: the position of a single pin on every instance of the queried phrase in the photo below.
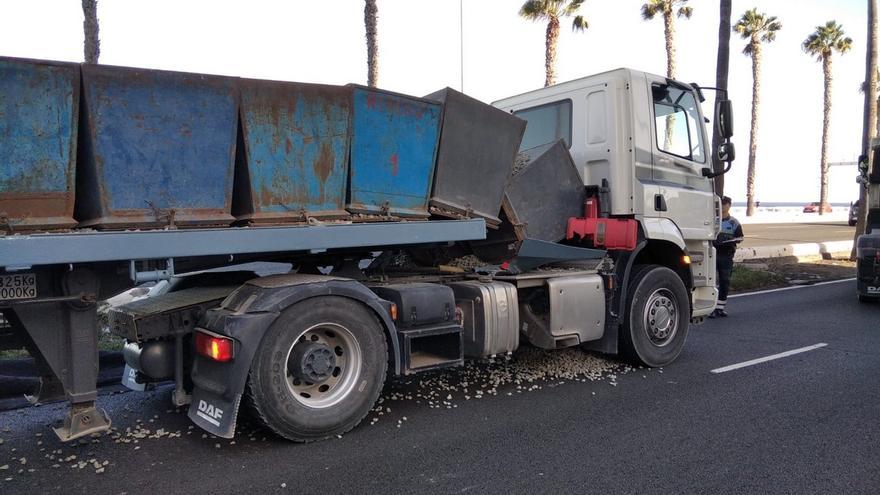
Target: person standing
(725, 247)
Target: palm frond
(649, 11)
(813, 45)
(572, 7)
(579, 23)
(827, 39)
(686, 12)
(756, 27)
(534, 10)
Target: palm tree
(757, 28)
(551, 11)
(371, 12)
(872, 115)
(871, 124)
(722, 69)
(822, 44)
(668, 9)
(91, 45)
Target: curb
(796, 250)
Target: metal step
(430, 348)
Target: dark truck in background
(868, 244)
(415, 233)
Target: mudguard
(245, 316)
(663, 229)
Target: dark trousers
(725, 268)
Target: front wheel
(657, 316)
(319, 369)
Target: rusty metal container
(393, 148)
(544, 194)
(293, 154)
(39, 110)
(158, 148)
(478, 146)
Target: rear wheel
(319, 369)
(866, 299)
(657, 316)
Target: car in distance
(814, 208)
(853, 213)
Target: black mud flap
(129, 380)
(214, 414)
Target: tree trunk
(550, 53)
(371, 12)
(722, 69)
(871, 124)
(91, 44)
(753, 133)
(826, 127)
(669, 29)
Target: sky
(421, 44)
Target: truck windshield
(546, 124)
(677, 123)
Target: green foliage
(654, 7)
(750, 279)
(827, 39)
(757, 28)
(553, 10)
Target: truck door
(684, 195)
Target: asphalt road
(807, 423)
(772, 234)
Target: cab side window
(546, 124)
(677, 123)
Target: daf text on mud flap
(210, 413)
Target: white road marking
(768, 358)
(791, 288)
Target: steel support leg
(62, 334)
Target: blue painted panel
(394, 144)
(39, 104)
(296, 144)
(161, 140)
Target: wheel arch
(668, 254)
(287, 290)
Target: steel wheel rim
(661, 317)
(346, 372)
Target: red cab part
(214, 346)
(607, 233)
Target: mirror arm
(712, 175)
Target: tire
(851, 223)
(648, 341)
(866, 299)
(301, 411)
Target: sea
(788, 212)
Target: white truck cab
(645, 135)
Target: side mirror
(726, 152)
(724, 118)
